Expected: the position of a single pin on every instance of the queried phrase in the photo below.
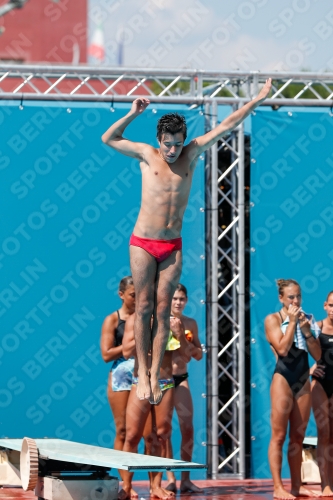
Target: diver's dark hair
(328, 296)
(125, 283)
(182, 288)
(171, 124)
(282, 283)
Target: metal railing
(185, 85)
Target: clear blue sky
(266, 35)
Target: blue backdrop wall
(291, 237)
(68, 206)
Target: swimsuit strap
(119, 318)
(281, 317)
(321, 324)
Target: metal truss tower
(225, 204)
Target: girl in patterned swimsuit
(121, 373)
(322, 399)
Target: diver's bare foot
(156, 393)
(187, 486)
(159, 492)
(134, 494)
(124, 493)
(327, 492)
(304, 492)
(171, 486)
(281, 494)
(143, 390)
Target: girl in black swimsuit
(322, 399)
(290, 388)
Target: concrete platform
(213, 490)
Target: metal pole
(234, 246)
(241, 300)
(130, 71)
(214, 308)
(173, 99)
(208, 240)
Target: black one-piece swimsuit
(294, 367)
(326, 342)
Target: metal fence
(225, 204)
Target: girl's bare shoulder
(189, 323)
(111, 320)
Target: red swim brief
(160, 249)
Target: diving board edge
(84, 454)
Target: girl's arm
(195, 344)
(312, 343)
(282, 342)
(129, 349)
(178, 331)
(108, 349)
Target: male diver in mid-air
(156, 245)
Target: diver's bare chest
(167, 183)
(169, 177)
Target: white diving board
(85, 454)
